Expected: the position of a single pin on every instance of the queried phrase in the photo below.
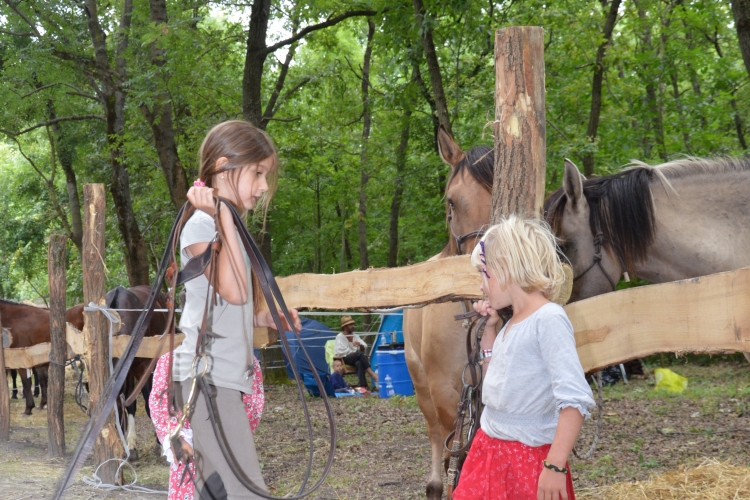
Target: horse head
(468, 193)
(583, 233)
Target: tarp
(314, 336)
(391, 331)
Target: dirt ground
(382, 450)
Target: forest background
(122, 92)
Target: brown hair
(242, 144)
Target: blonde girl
(535, 393)
(238, 162)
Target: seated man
(348, 345)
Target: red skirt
(503, 470)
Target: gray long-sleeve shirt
(534, 373)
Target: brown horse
(435, 343)
(678, 220)
(29, 325)
(130, 301)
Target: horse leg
(413, 333)
(27, 391)
(43, 372)
(129, 426)
(36, 381)
(14, 379)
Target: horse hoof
(133, 455)
(434, 490)
(14, 396)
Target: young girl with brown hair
(238, 162)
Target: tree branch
(8, 32)
(52, 122)
(315, 27)
(23, 16)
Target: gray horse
(673, 221)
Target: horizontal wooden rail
(29, 357)
(710, 314)
(432, 281)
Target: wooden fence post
(4, 396)
(58, 345)
(96, 325)
(520, 126)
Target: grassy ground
(382, 450)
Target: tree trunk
(433, 66)
(160, 119)
(255, 58)
(739, 127)
(741, 12)
(596, 87)
(398, 190)
(136, 260)
(364, 260)
(520, 125)
(653, 102)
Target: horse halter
(461, 239)
(597, 261)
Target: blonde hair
(522, 251)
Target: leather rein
(168, 270)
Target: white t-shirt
(534, 373)
(344, 347)
(229, 350)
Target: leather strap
(272, 295)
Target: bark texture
(364, 259)
(96, 326)
(520, 126)
(58, 346)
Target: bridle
(169, 272)
(599, 241)
(461, 239)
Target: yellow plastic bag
(670, 381)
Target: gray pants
(232, 420)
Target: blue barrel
(393, 362)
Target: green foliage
(674, 84)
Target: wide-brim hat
(346, 320)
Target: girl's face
(251, 184)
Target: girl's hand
(484, 308)
(202, 198)
(264, 318)
(295, 319)
(552, 485)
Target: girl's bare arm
(231, 283)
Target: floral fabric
(159, 406)
(503, 470)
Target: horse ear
(450, 152)
(573, 182)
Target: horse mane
(21, 304)
(622, 207)
(479, 162)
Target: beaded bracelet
(486, 353)
(555, 468)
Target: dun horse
(674, 221)
(435, 343)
